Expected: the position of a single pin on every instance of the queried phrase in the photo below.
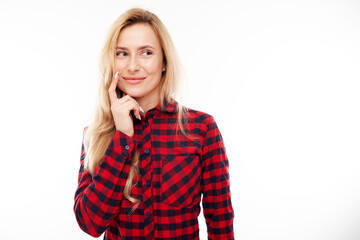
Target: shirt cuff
(122, 143)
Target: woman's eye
(121, 54)
(146, 53)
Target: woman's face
(139, 61)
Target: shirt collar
(169, 107)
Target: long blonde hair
(102, 128)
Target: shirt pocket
(181, 176)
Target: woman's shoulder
(206, 122)
(205, 117)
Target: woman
(145, 159)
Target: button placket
(147, 174)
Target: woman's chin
(134, 94)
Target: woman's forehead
(138, 35)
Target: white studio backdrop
(281, 79)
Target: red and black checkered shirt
(173, 173)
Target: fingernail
(116, 74)
(139, 117)
(141, 110)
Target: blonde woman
(146, 159)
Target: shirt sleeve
(98, 196)
(215, 185)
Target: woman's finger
(112, 88)
(135, 106)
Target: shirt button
(146, 123)
(152, 111)
(127, 147)
(148, 183)
(146, 150)
(148, 214)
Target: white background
(281, 79)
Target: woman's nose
(133, 65)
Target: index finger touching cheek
(112, 87)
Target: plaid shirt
(173, 173)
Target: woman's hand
(121, 108)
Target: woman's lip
(133, 78)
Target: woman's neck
(148, 102)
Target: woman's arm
(98, 196)
(215, 185)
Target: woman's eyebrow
(139, 48)
(146, 46)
